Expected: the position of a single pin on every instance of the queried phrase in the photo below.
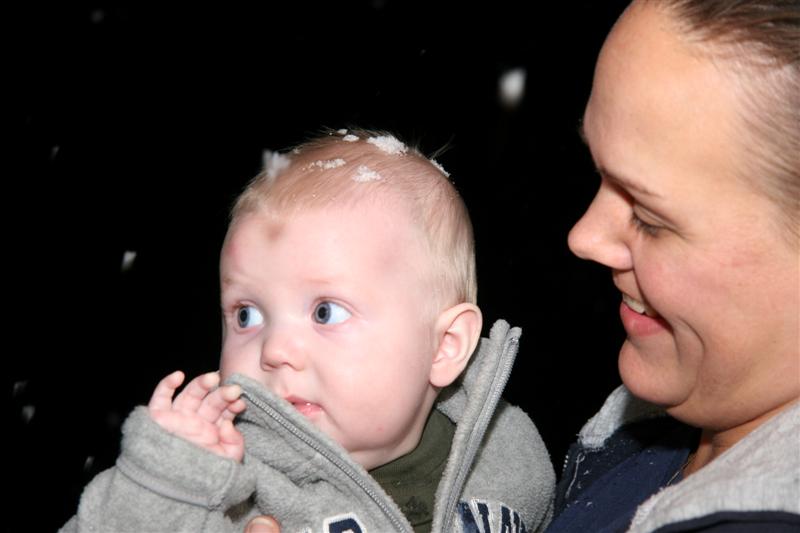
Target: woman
(694, 125)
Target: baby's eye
(330, 313)
(248, 316)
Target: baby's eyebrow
(321, 280)
(227, 282)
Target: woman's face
(709, 286)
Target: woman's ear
(458, 330)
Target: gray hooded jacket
(498, 475)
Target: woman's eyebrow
(628, 184)
(612, 177)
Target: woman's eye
(330, 313)
(643, 226)
(248, 316)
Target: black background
(134, 129)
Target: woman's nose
(282, 348)
(601, 233)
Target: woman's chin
(648, 380)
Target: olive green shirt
(411, 480)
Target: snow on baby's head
(389, 144)
(275, 163)
(364, 173)
(328, 164)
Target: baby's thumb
(262, 524)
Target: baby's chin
(381, 454)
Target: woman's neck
(714, 443)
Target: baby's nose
(282, 348)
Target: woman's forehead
(660, 115)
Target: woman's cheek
(667, 274)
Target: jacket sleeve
(162, 482)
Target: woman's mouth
(640, 307)
(639, 319)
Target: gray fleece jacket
(498, 475)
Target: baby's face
(328, 309)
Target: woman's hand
(262, 524)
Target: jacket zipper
(323, 451)
(484, 417)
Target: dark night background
(134, 129)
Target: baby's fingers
(234, 409)
(218, 402)
(165, 390)
(191, 397)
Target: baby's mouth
(304, 407)
(640, 307)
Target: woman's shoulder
(757, 479)
(628, 458)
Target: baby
(349, 307)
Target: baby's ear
(458, 330)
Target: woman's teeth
(638, 306)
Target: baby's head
(348, 288)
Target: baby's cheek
(232, 362)
(224, 370)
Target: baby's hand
(202, 413)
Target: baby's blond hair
(348, 168)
